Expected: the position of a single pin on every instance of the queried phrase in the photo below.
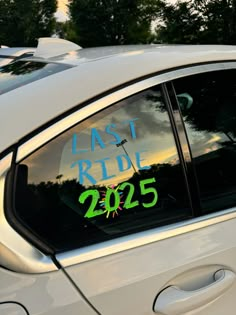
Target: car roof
(7, 55)
(168, 55)
(15, 52)
(94, 71)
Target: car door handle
(174, 301)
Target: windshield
(20, 73)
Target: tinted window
(208, 104)
(116, 173)
(19, 73)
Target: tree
(198, 22)
(22, 22)
(112, 22)
(179, 23)
(219, 21)
(66, 30)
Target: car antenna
(49, 47)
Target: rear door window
(116, 173)
(208, 105)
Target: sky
(88, 152)
(90, 147)
(62, 9)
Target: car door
(31, 282)
(131, 219)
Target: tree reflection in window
(48, 197)
(210, 122)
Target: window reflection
(209, 111)
(116, 173)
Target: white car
(118, 181)
(8, 55)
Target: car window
(208, 106)
(19, 73)
(115, 173)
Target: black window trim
(191, 175)
(176, 133)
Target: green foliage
(115, 22)
(66, 30)
(112, 22)
(198, 21)
(22, 22)
(179, 23)
(219, 21)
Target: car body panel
(44, 294)
(126, 275)
(161, 56)
(16, 253)
(129, 242)
(15, 52)
(123, 244)
(8, 55)
(12, 309)
(117, 68)
(42, 107)
(129, 282)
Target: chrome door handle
(174, 301)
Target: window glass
(19, 73)
(116, 173)
(208, 105)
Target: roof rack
(49, 47)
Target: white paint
(49, 47)
(128, 282)
(98, 70)
(43, 294)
